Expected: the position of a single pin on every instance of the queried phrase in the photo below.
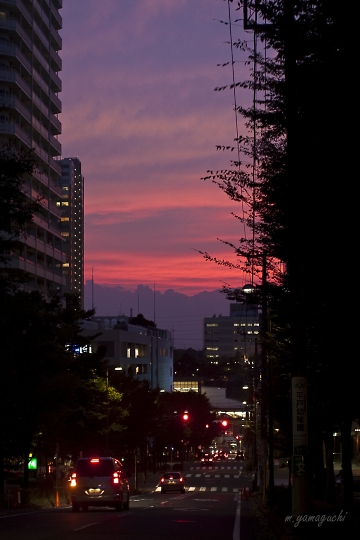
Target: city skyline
(140, 112)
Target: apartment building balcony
(55, 79)
(19, 4)
(56, 124)
(44, 108)
(40, 152)
(55, 209)
(40, 34)
(12, 51)
(56, 17)
(40, 58)
(40, 81)
(12, 129)
(55, 165)
(40, 128)
(55, 38)
(12, 102)
(57, 62)
(12, 26)
(55, 101)
(56, 146)
(11, 76)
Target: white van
(99, 481)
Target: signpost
(299, 470)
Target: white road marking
(236, 532)
(85, 526)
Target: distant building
(72, 225)
(233, 335)
(144, 351)
(29, 108)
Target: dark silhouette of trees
(294, 207)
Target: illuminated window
(65, 219)
(65, 234)
(212, 324)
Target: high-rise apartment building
(29, 108)
(72, 225)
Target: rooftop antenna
(154, 302)
(92, 288)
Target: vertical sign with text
(299, 416)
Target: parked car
(172, 481)
(99, 481)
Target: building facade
(72, 225)
(29, 109)
(145, 352)
(233, 335)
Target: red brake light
(73, 480)
(95, 460)
(116, 478)
(181, 479)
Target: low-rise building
(136, 347)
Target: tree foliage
(291, 193)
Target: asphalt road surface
(212, 508)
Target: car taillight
(181, 479)
(73, 480)
(116, 478)
(162, 480)
(94, 460)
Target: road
(212, 508)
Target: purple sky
(141, 113)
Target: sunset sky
(141, 113)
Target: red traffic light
(185, 417)
(224, 423)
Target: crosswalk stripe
(213, 488)
(202, 489)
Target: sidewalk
(322, 521)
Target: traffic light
(224, 423)
(185, 416)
